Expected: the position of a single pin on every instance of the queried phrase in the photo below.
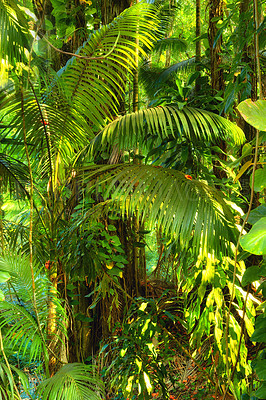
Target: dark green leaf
(255, 240)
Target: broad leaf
(254, 113)
(260, 368)
(251, 274)
(260, 179)
(255, 240)
(4, 276)
(256, 214)
(259, 334)
(261, 392)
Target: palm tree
(59, 121)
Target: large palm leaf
(44, 119)
(154, 78)
(191, 211)
(95, 83)
(73, 381)
(14, 173)
(131, 130)
(174, 44)
(14, 37)
(20, 313)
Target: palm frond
(174, 44)
(14, 38)
(95, 84)
(178, 67)
(192, 212)
(154, 78)
(14, 173)
(18, 311)
(43, 124)
(133, 129)
(22, 332)
(7, 391)
(73, 381)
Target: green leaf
(2, 295)
(191, 211)
(251, 274)
(255, 240)
(111, 228)
(256, 214)
(254, 113)
(260, 368)
(260, 179)
(259, 334)
(167, 121)
(4, 276)
(261, 392)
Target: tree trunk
(198, 45)
(215, 13)
(217, 78)
(110, 9)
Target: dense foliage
(132, 199)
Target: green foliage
(104, 53)
(190, 214)
(9, 376)
(167, 121)
(13, 24)
(72, 381)
(255, 240)
(24, 326)
(208, 285)
(254, 113)
(142, 348)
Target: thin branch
(83, 57)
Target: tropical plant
(76, 203)
(255, 242)
(75, 381)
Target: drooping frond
(175, 45)
(168, 121)
(14, 173)
(191, 211)
(177, 67)
(14, 38)
(7, 375)
(20, 313)
(48, 131)
(94, 84)
(73, 381)
(154, 78)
